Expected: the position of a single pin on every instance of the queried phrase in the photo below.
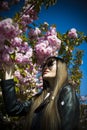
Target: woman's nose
(46, 67)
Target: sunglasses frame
(48, 63)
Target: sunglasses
(48, 63)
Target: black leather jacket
(68, 105)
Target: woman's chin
(45, 76)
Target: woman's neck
(51, 84)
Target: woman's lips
(45, 72)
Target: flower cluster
(28, 17)
(8, 31)
(72, 33)
(13, 48)
(47, 44)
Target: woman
(55, 108)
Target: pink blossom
(47, 45)
(5, 21)
(54, 41)
(18, 57)
(25, 44)
(9, 29)
(10, 49)
(40, 49)
(49, 50)
(25, 59)
(17, 41)
(17, 74)
(6, 57)
(33, 33)
(72, 33)
(37, 31)
(43, 42)
(29, 53)
(52, 31)
(26, 19)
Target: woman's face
(49, 69)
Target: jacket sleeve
(68, 109)
(12, 105)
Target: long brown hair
(50, 119)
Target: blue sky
(66, 14)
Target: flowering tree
(26, 46)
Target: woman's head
(54, 69)
(49, 68)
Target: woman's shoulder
(67, 88)
(68, 96)
(67, 93)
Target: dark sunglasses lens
(50, 62)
